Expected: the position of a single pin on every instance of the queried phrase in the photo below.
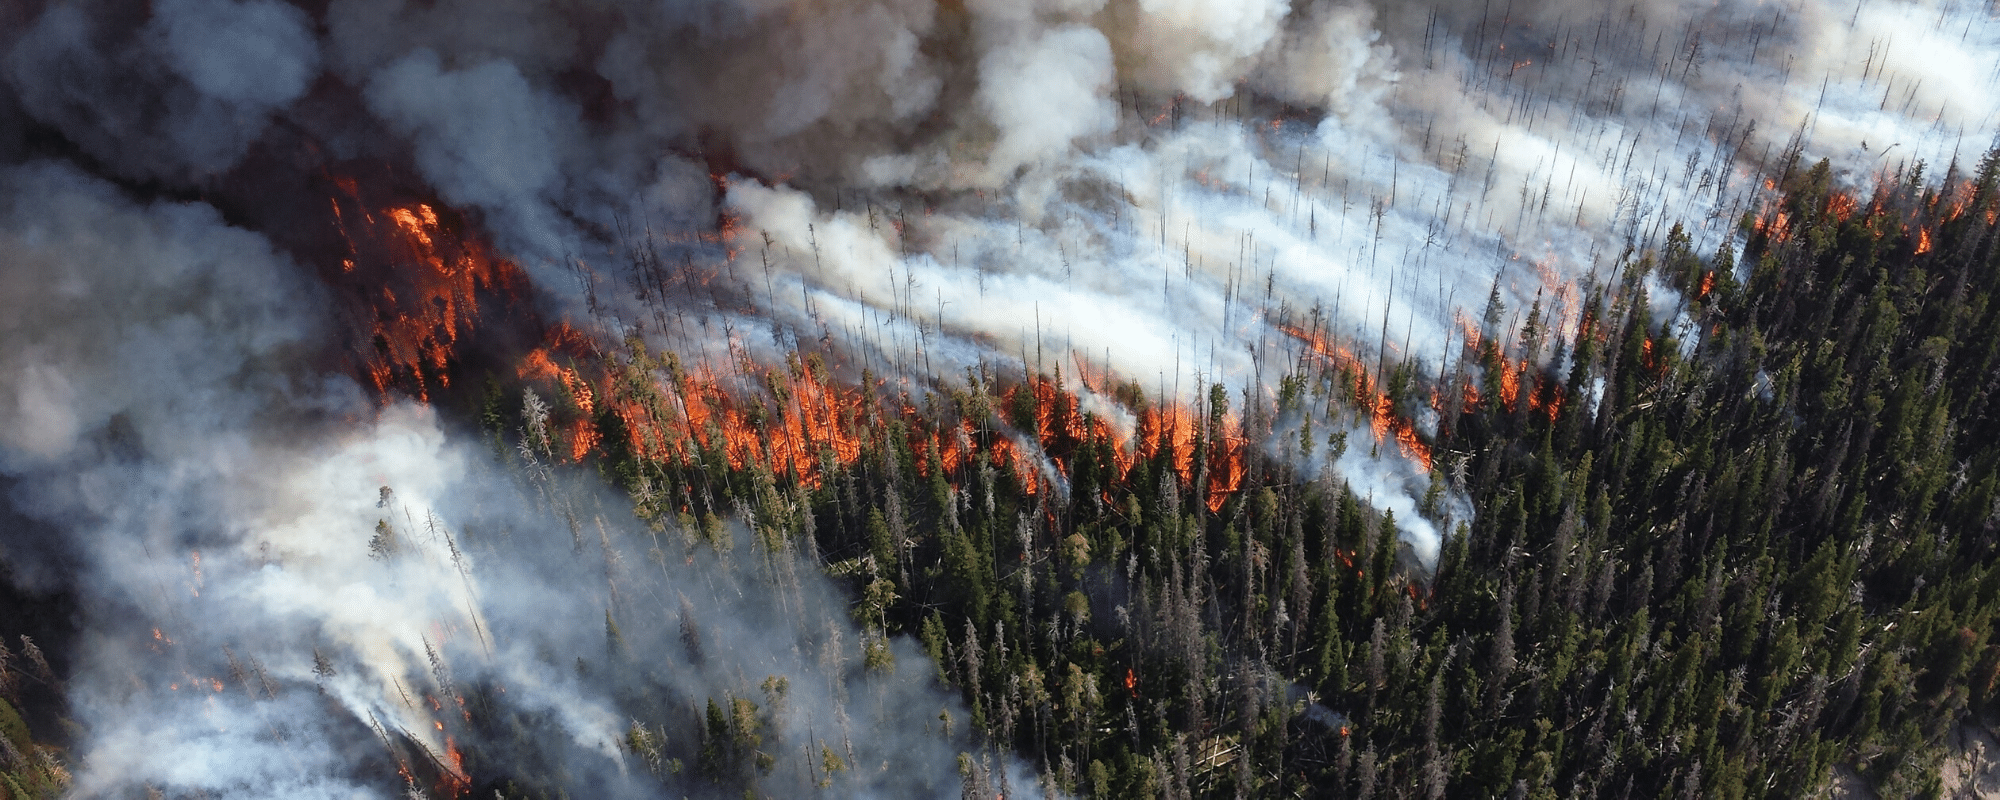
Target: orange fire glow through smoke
(1170, 429)
(1383, 421)
(424, 280)
(1225, 475)
(420, 283)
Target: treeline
(28, 769)
(1709, 556)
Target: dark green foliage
(1756, 554)
(27, 769)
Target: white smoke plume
(279, 573)
(1155, 187)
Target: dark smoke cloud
(180, 94)
(484, 138)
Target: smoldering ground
(1161, 190)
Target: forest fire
(1226, 472)
(1778, 226)
(419, 281)
(1008, 456)
(799, 426)
(1547, 398)
(1468, 329)
(1383, 421)
(1510, 384)
(454, 782)
(1169, 429)
(756, 487)
(429, 279)
(582, 438)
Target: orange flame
(1510, 384)
(1778, 226)
(426, 279)
(1225, 474)
(1547, 397)
(1169, 428)
(1469, 329)
(1010, 456)
(454, 782)
(419, 281)
(582, 434)
(1383, 421)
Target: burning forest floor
(1657, 565)
(361, 472)
(1651, 586)
(1659, 562)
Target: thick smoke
(280, 574)
(182, 93)
(1169, 190)
(483, 137)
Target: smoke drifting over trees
(268, 273)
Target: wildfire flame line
(421, 284)
(797, 423)
(801, 425)
(1383, 421)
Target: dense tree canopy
(1715, 545)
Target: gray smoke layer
(181, 94)
(283, 578)
(1155, 188)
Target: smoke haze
(287, 579)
